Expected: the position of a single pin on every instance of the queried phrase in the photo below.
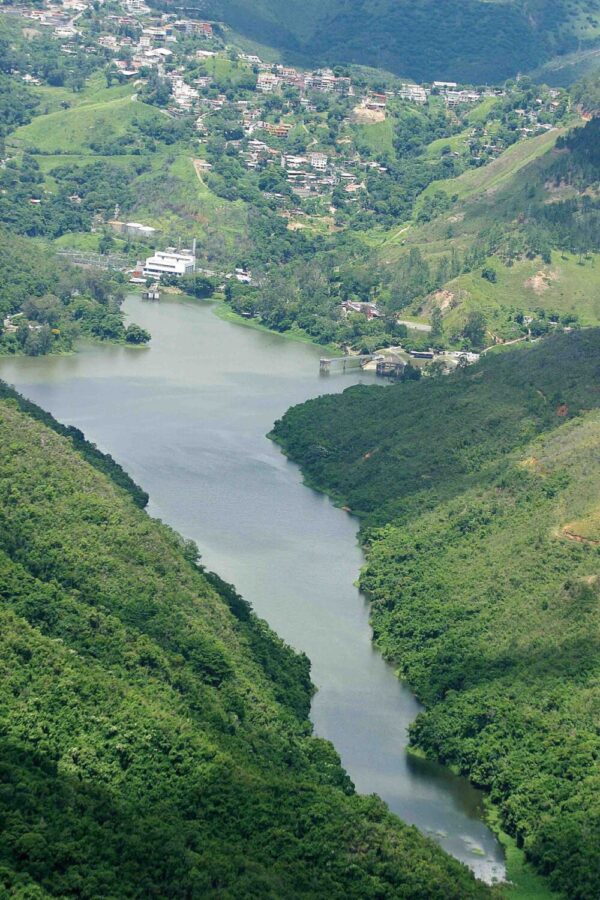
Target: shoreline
(522, 881)
(222, 309)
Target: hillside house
(252, 59)
(369, 310)
(376, 101)
(455, 98)
(414, 93)
(291, 162)
(280, 129)
(189, 27)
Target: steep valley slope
(479, 495)
(154, 739)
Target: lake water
(187, 417)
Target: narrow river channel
(187, 417)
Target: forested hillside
(153, 732)
(47, 304)
(466, 40)
(480, 504)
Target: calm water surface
(187, 417)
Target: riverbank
(522, 882)
(224, 311)
(465, 485)
(188, 419)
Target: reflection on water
(187, 417)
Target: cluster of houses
(314, 173)
(309, 174)
(140, 39)
(60, 17)
(274, 78)
(452, 94)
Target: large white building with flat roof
(170, 262)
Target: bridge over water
(342, 363)
(388, 363)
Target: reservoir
(187, 417)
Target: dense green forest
(466, 40)
(480, 516)
(154, 735)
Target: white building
(183, 94)
(454, 98)
(318, 161)
(289, 161)
(137, 6)
(414, 93)
(170, 262)
(267, 83)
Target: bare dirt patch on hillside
(443, 300)
(363, 116)
(541, 281)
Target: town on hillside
(182, 138)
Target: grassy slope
(479, 593)
(95, 91)
(152, 731)
(379, 137)
(170, 196)
(568, 284)
(490, 178)
(70, 131)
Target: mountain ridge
(471, 40)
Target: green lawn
(221, 68)
(457, 144)
(74, 240)
(379, 137)
(480, 113)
